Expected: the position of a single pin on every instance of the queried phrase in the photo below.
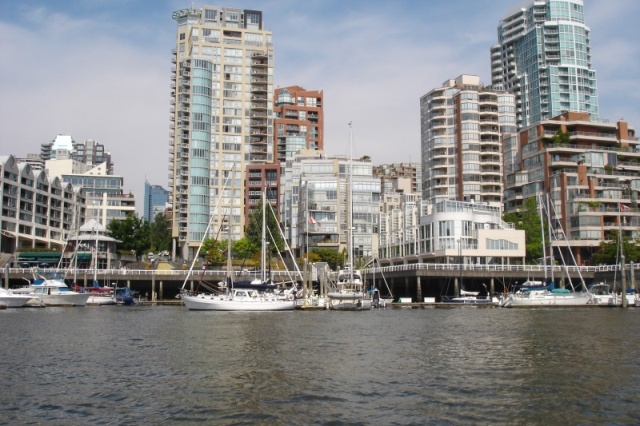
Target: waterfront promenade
(415, 280)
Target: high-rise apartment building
(543, 56)
(591, 171)
(299, 121)
(462, 127)
(221, 109)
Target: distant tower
(155, 201)
(543, 56)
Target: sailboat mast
(229, 280)
(544, 247)
(550, 239)
(350, 206)
(264, 235)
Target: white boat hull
(15, 300)
(101, 300)
(205, 302)
(348, 302)
(515, 300)
(72, 299)
(610, 300)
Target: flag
(624, 208)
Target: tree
(214, 251)
(253, 230)
(244, 249)
(132, 232)
(333, 258)
(528, 220)
(609, 251)
(160, 234)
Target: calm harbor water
(166, 365)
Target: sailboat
(350, 294)
(252, 297)
(547, 295)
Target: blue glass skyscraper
(543, 56)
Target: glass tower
(543, 56)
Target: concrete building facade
(591, 171)
(38, 211)
(463, 124)
(221, 117)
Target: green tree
(244, 249)
(528, 220)
(132, 232)
(160, 233)
(253, 230)
(609, 251)
(214, 251)
(333, 258)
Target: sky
(101, 69)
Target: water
(166, 365)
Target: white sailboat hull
(207, 302)
(546, 299)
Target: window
(209, 15)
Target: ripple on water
(157, 365)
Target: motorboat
(349, 294)
(601, 295)
(14, 300)
(54, 292)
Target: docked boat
(239, 299)
(227, 297)
(125, 296)
(349, 294)
(54, 292)
(98, 296)
(602, 296)
(545, 297)
(538, 293)
(13, 300)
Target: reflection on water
(117, 365)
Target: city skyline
(102, 70)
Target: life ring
(290, 296)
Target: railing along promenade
(497, 268)
(283, 275)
